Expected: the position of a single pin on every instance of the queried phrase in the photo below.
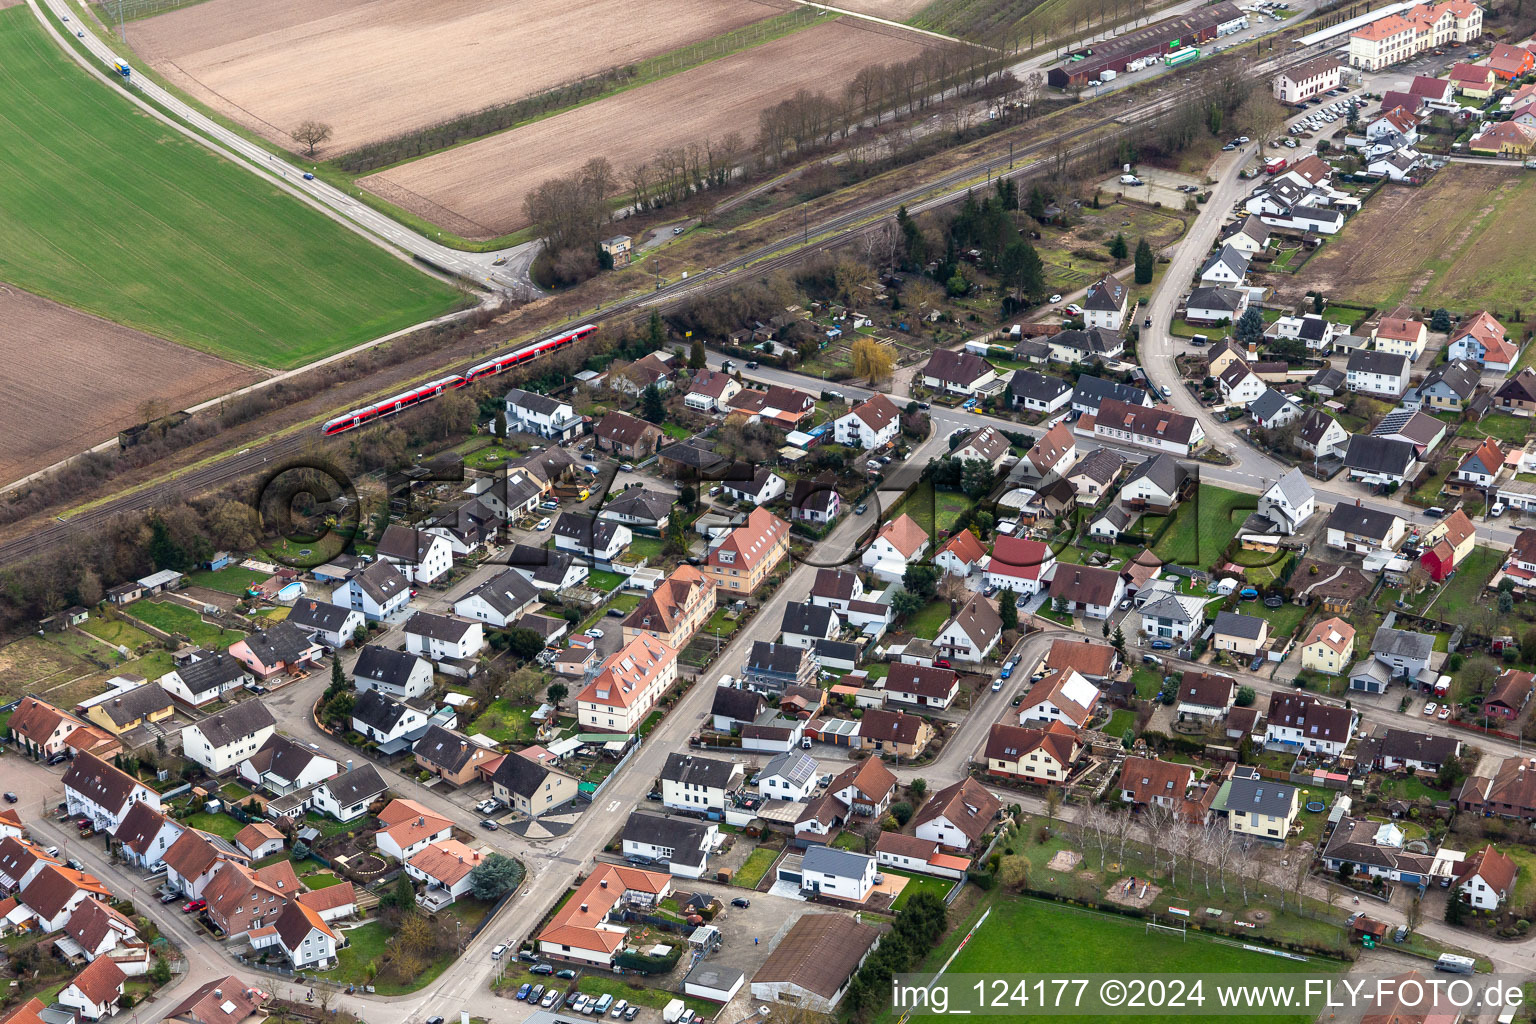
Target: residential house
(745, 557)
(627, 686)
(1052, 455)
(873, 423)
(1206, 694)
(699, 785)
(531, 413)
(56, 893)
(1094, 345)
(1155, 485)
(896, 733)
(1479, 470)
(1094, 662)
(1147, 782)
(1483, 340)
(581, 928)
(220, 742)
(816, 500)
(445, 867)
(1109, 524)
(985, 445)
(301, 935)
(1159, 428)
(1094, 475)
(909, 853)
(733, 707)
(1320, 435)
(378, 590)
(225, 1000)
(837, 874)
(1274, 409)
(1511, 793)
(1399, 336)
(1362, 529)
(1173, 616)
(791, 775)
(499, 601)
(1090, 392)
(805, 623)
(1380, 461)
(1520, 565)
(1215, 305)
(1105, 303)
(1038, 392)
(1510, 694)
(1288, 502)
(865, 788)
(653, 369)
(1306, 80)
(192, 860)
(421, 557)
(349, 795)
(1517, 396)
(1062, 696)
(1446, 544)
(241, 900)
(282, 766)
(898, 542)
(103, 793)
(962, 554)
(1508, 62)
(1449, 387)
(278, 648)
(1399, 749)
(1329, 647)
(94, 992)
(442, 638)
(1239, 385)
(682, 844)
(711, 391)
(40, 729)
(774, 668)
(1475, 81)
(1091, 591)
(1302, 720)
(407, 827)
(626, 436)
(451, 756)
(101, 931)
(972, 633)
(957, 373)
(331, 624)
(957, 816)
(1405, 653)
(760, 488)
(1260, 807)
(784, 407)
(640, 508)
(20, 862)
(1422, 431)
(1377, 373)
(1043, 755)
(675, 610)
(1241, 634)
(396, 674)
(144, 834)
(600, 541)
(259, 840)
(1226, 266)
(1487, 878)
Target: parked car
(631, 1012)
(1075, 309)
(1429, 709)
(567, 973)
(628, 467)
(537, 994)
(522, 991)
(997, 684)
(543, 524)
(594, 633)
(742, 902)
(547, 969)
(550, 999)
(618, 1009)
(489, 825)
(193, 906)
(942, 663)
(860, 509)
(169, 897)
(65, 755)
(1161, 645)
(1445, 712)
(1006, 672)
(11, 798)
(751, 365)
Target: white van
(1129, 179)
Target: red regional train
(425, 392)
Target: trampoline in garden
(1315, 806)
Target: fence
(639, 741)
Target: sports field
(109, 211)
(1458, 242)
(1023, 935)
(375, 68)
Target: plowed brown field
(477, 190)
(69, 380)
(374, 68)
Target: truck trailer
(121, 67)
(1274, 166)
(1188, 55)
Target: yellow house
(1035, 755)
(1329, 647)
(1509, 137)
(122, 711)
(1400, 337)
(748, 554)
(1260, 807)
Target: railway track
(832, 233)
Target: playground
(1133, 892)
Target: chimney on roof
(583, 908)
(218, 993)
(603, 884)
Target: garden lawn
(1283, 621)
(919, 883)
(1509, 429)
(1120, 721)
(1203, 526)
(161, 235)
(1084, 942)
(232, 579)
(176, 618)
(1410, 787)
(221, 825)
(755, 867)
(602, 579)
(1458, 596)
(648, 548)
(927, 621)
(115, 631)
(504, 723)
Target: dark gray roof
(771, 657)
(1095, 341)
(795, 765)
(283, 757)
(279, 643)
(1040, 387)
(1260, 796)
(1402, 643)
(543, 405)
(684, 836)
(139, 702)
(233, 723)
(542, 564)
(405, 544)
(445, 748)
(1117, 516)
(359, 784)
(1227, 299)
(835, 649)
(1371, 361)
(520, 775)
(1167, 607)
(1091, 391)
(740, 705)
(1314, 424)
(1409, 425)
(689, 454)
(1328, 378)
(1237, 624)
(706, 772)
(1100, 465)
(380, 580)
(834, 584)
(1162, 470)
(1371, 454)
(1234, 258)
(382, 665)
(641, 504)
(830, 860)
(1418, 746)
(209, 670)
(307, 613)
(591, 533)
(806, 619)
(1268, 404)
(1361, 519)
(508, 593)
(377, 711)
(953, 367)
(753, 486)
(1107, 294)
(439, 627)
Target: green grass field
(1459, 595)
(1202, 526)
(113, 213)
(1024, 935)
(115, 631)
(232, 579)
(177, 618)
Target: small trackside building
(1307, 80)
